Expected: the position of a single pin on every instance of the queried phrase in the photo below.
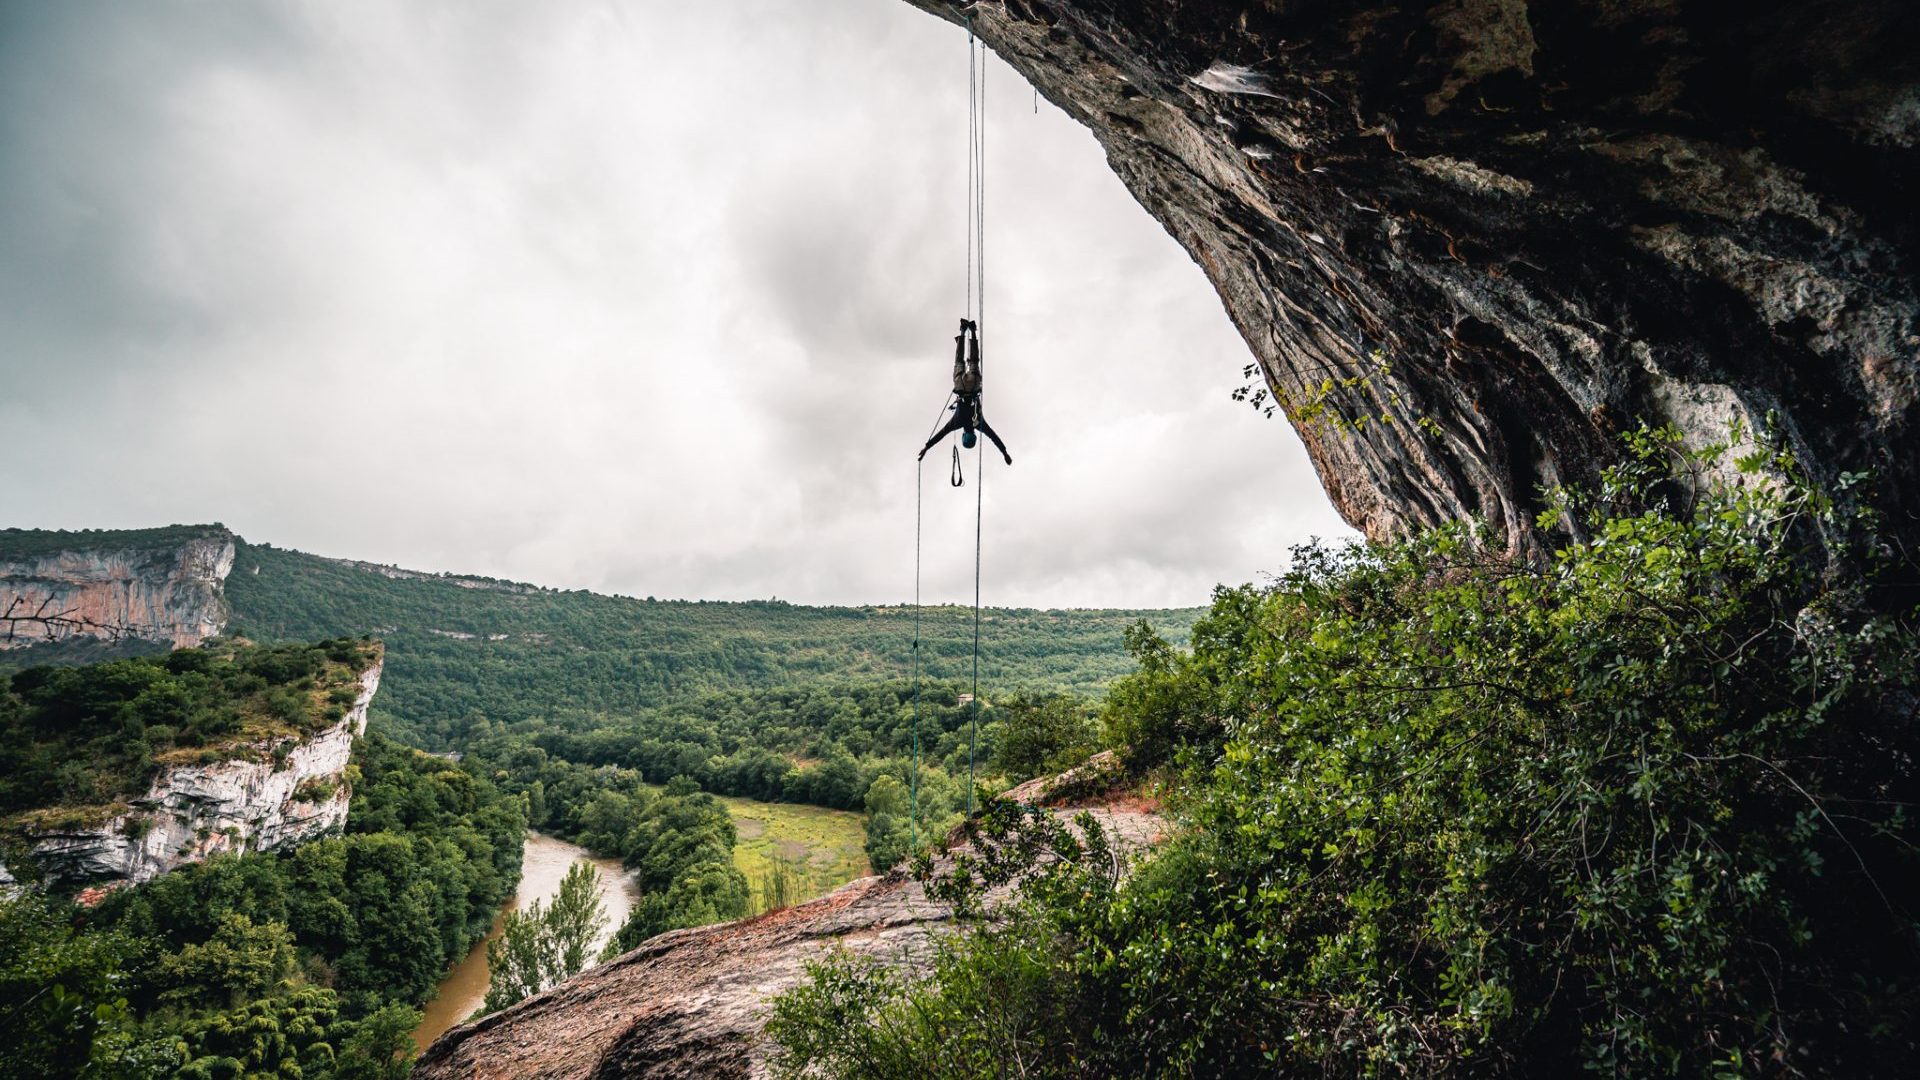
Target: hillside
(124, 770)
(465, 648)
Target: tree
(547, 943)
(576, 917)
(242, 960)
(57, 987)
(520, 962)
(381, 1046)
(1042, 734)
(889, 821)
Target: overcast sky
(642, 297)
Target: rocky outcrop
(161, 585)
(260, 797)
(1469, 241)
(691, 1003)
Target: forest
(306, 962)
(607, 721)
(78, 737)
(763, 700)
(465, 651)
(678, 840)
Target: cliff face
(101, 586)
(264, 796)
(1469, 241)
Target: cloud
(642, 297)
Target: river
(541, 868)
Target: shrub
(1644, 810)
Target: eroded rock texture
(1494, 232)
(260, 797)
(692, 1003)
(106, 586)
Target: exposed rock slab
(691, 1003)
(1469, 241)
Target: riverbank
(544, 863)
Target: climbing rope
(976, 294)
(973, 703)
(919, 474)
(977, 205)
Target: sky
(644, 297)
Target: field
(827, 844)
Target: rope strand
(977, 257)
(973, 124)
(913, 830)
(980, 200)
(979, 503)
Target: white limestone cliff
(267, 795)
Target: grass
(828, 844)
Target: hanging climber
(967, 417)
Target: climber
(967, 417)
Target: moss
(316, 789)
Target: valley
(1551, 707)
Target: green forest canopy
(89, 736)
(21, 544)
(463, 649)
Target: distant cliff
(157, 585)
(256, 796)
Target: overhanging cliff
(1470, 241)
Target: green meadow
(823, 849)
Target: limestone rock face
(265, 797)
(691, 1003)
(171, 592)
(1469, 241)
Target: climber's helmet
(968, 438)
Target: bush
(1641, 811)
(1042, 734)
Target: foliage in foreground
(1646, 811)
(548, 942)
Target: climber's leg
(958, 421)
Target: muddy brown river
(541, 868)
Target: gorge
(1638, 806)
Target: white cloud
(644, 297)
